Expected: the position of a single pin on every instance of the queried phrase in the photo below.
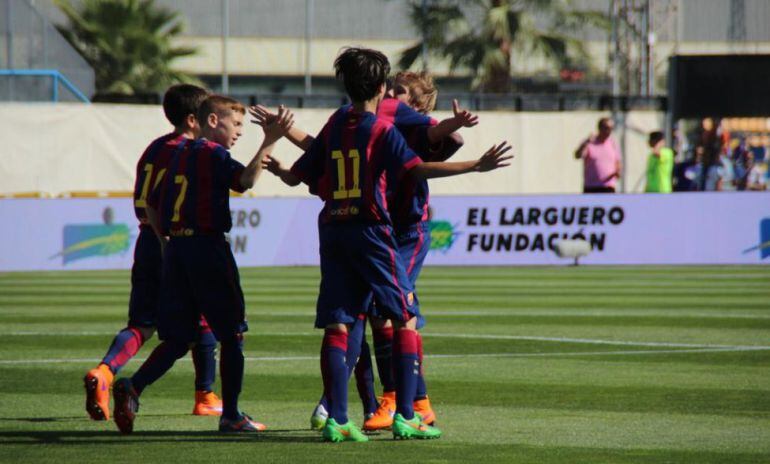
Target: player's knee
(411, 324)
(145, 332)
(337, 327)
(380, 323)
(235, 340)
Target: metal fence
(483, 102)
(38, 63)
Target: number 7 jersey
(350, 164)
(193, 198)
(151, 169)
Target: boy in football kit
(409, 212)
(415, 96)
(180, 104)
(200, 277)
(350, 165)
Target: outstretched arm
(274, 166)
(461, 118)
(493, 159)
(273, 132)
(263, 116)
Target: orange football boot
(98, 382)
(383, 416)
(422, 407)
(207, 404)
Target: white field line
(588, 341)
(437, 356)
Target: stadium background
(619, 363)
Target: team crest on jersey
(410, 298)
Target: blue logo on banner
(764, 240)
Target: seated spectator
(687, 174)
(720, 175)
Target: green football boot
(336, 433)
(414, 428)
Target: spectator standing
(660, 165)
(749, 175)
(601, 160)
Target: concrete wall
(56, 148)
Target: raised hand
(272, 165)
(279, 125)
(262, 116)
(494, 158)
(463, 118)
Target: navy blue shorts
(200, 277)
(145, 280)
(359, 263)
(413, 244)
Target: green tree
(544, 28)
(127, 42)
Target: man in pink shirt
(601, 160)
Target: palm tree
(507, 27)
(127, 42)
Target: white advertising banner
(697, 228)
(686, 228)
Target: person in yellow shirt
(660, 165)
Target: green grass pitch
(535, 365)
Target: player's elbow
(248, 182)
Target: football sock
(124, 346)
(383, 351)
(356, 336)
(407, 365)
(160, 361)
(365, 380)
(231, 370)
(205, 360)
(422, 389)
(334, 371)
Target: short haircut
(422, 92)
(656, 136)
(221, 106)
(363, 71)
(602, 122)
(182, 100)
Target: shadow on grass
(66, 437)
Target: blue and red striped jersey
(408, 202)
(194, 196)
(350, 164)
(150, 170)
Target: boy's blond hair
(220, 105)
(422, 92)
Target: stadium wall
(687, 228)
(59, 148)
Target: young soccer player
(409, 211)
(200, 277)
(415, 96)
(180, 104)
(351, 165)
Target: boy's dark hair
(656, 136)
(182, 100)
(363, 71)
